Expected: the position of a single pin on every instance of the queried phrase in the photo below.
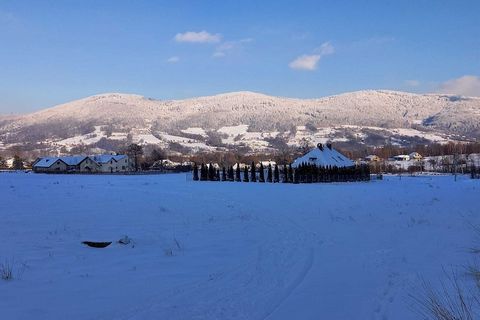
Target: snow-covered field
(211, 250)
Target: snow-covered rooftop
(75, 160)
(324, 155)
(69, 160)
(104, 158)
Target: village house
(322, 156)
(82, 164)
(401, 157)
(372, 158)
(112, 163)
(415, 156)
(169, 165)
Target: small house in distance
(82, 164)
(415, 156)
(112, 163)
(322, 156)
(401, 157)
(65, 164)
(372, 158)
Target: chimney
(329, 146)
(320, 146)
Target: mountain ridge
(263, 118)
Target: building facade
(83, 164)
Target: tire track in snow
(255, 289)
(300, 277)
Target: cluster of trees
(17, 164)
(305, 173)
(143, 158)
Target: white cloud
(412, 83)
(325, 49)
(305, 62)
(309, 62)
(467, 86)
(198, 37)
(227, 46)
(173, 59)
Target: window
(312, 159)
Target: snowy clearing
(211, 250)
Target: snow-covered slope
(134, 114)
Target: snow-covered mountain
(245, 119)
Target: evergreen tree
(285, 174)
(245, 174)
(237, 173)
(296, 176)
(217, 175)
(269, 173)
(253, 173)
(261, 178)
(211, 172)
(276, 175)
(230, 174)
(195, 172)
(203, 173)
(224, 174)
(290, 173)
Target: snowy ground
(206, 250)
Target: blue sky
(56, 51)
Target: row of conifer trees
(304, 173)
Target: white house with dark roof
(322, 156)
(113, 163)
(83, 164)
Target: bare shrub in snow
(168, 252)
(451, 302)
(6, 270)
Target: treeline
(304, 173)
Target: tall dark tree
(253, 173)
(269, 173)
(211, 172)
(290, 173)
(245, 174)
(224, 174)
(195, 172)
(237, 173)
(217, 175)
(285, 174)
(276, 174)
(261, 177)
(296, 175)
(135, 151)
(231, 176)
(17, 163)
(203, 172)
